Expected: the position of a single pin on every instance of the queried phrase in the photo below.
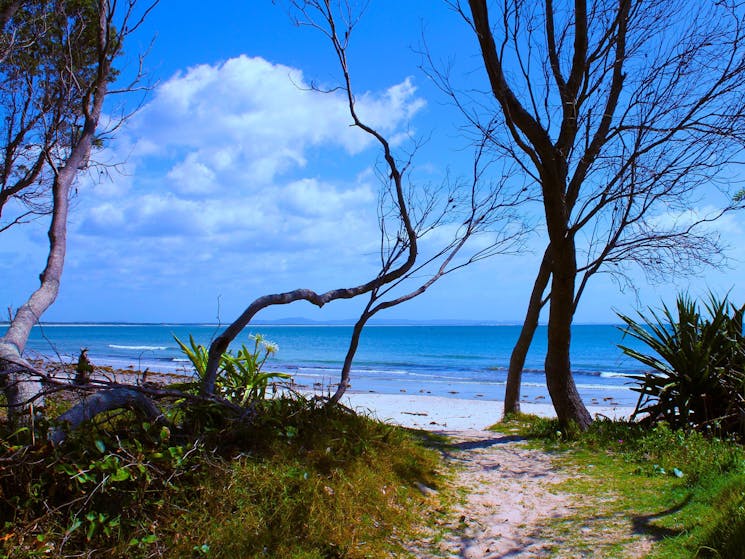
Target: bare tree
(626, 115)
(408, 214)
(58, 66)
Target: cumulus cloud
(242, 163)
(261, 116)
(192, 177)
(398, 104)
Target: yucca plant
(197, 354)
(240, 379)
(698, 364)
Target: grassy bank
(301, 481)
(681, 493)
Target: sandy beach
(435, 413)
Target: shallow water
(456, 361)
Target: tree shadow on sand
(485, 443)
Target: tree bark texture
(22, 385)
(549, 159)
(561, 387)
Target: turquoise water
(457, 361)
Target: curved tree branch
(99, 402)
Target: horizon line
(299, 321)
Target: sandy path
(510, 495)
(512, 498)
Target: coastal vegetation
(475, 218)
(677, 473)
(258, 470)
(240, 378)
(683, 489)
(301, 480)
(307, 480)
(697, 365)
(619, 123)
(606, 206)
(58, 61)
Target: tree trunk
(22, 385)
(348, 360)
(566, 400)
(520, 351)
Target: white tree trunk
(22, 384)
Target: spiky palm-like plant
(698, 365)
(240, 379)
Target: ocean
(451, 361)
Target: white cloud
(238, 172)
(191, 176)
(105, 217)
(726, 224)
(397, 105)
(261, 116)
(311, 198)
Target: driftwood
(99, 402)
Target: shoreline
(438, 413)
(468, 362)
(415, 410)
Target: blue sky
(234, 180)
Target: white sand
(436, 413)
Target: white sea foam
(434, 377)
(621, 387)
(617, 375)
(139, 347)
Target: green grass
(683, 491)
(301, 481)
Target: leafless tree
(627, 116)
(408, 215)
(58, 64)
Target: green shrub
(300, 480)
(693, 455)
(698, 365)
(102, 490)
(661, 450)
